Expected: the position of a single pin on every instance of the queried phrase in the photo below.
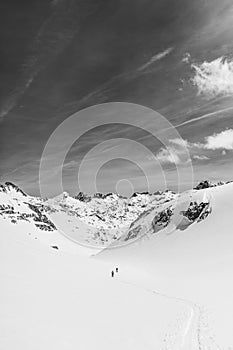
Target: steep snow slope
(194, 264)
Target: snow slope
(173, 291)
(194, 264)
(52, 299)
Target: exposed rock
(162, 219)
(10, 185)
(197, 211)
(207, 184)
(83, 197)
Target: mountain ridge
(104, 220)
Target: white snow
(173, 291)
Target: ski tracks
(190, 330)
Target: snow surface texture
(173, 290)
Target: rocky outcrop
(207, 184)
(83, 197)
(17, 206)
(162, 219)
(8, 186)
(197, 211)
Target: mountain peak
(9, 186)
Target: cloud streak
(200, 157)
(54, 35)
(156, 58)
(204, 116)
(101, 93)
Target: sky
(60, 57)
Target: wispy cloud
(168, 155)
(214, 78)
(177, 152)
(101, 94)
(186, 58)
(200, 157)
(179, 142)
(155, 58)
(54, 35)
(204, 116)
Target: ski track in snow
(195, 334)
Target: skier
(116, 269)
(112, 273)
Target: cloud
(222, 140)
(180, 142)
(200, 157)
(176, 153)
(168, 155)
(186, 58)
(184, 145)
(155, 58)
(214, 78)
(205, 116)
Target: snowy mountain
(16, 205)
(103, 219)
(173, 289)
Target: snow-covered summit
(178, 279)
(16, 206)
(104, 219)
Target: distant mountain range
(104, 220)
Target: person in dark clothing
(112, 273)
(117, 269)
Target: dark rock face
(99, 195)
(39, 216)
(162, 219)
(207, 184)
(107, 195)
(159, 222)
(135, 194)
(202, 185)
(197, 211)
(9, 185)
(83, 197)
(7, 209)
(86, 198)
